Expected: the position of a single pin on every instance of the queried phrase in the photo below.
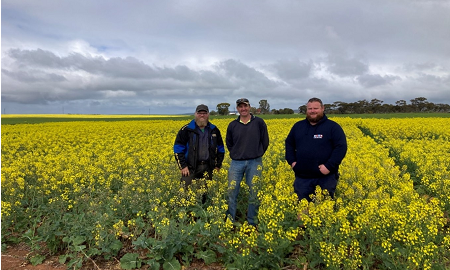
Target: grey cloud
(114, 67)
(38, 57)
(128, 67)
(344, 66)
(57, 78)
(432, 79)
(33, 75)
(172, 54)
(372, 80)
(243, 75)
(292, 69)
(422, 67)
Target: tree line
(419, 104)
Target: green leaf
(28, 234)
(80, 248)
(92, 252)
(115, 245)
(78, 240)
(173, 264)
(76, 263)
(153, 264)
(189, 249)
(38, 259)
(130, 261)
(208, 256)
(63, 258)
(4, 247)
(144, 242)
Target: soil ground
(15, 258)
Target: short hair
(314, 99)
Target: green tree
(264, 106)
(302, 109)
(222, 108)
(375, 105)
(285, 111)
(419, 104)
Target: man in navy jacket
(315, 147)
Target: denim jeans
(239, 168)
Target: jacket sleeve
(339, 149)
(180, 147)
(264, 136)
(290, 147)
(220, 150)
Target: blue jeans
(236, 173)
(307, 186)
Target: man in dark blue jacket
(315, 147)
(198, 147)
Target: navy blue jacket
(312, 145)
(186, 146)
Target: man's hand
(185, 171)
(323, 169)
(217, 169)
(293, 164)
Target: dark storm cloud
(97, 77)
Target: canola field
(96, 190)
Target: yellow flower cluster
(393, 191)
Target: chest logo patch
(318, 136)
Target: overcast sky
(166, 57)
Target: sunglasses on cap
(242, 100)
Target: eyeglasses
(242, 100)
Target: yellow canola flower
(125, 172)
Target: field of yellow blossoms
(95, 189)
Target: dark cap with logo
(202, 107)
(242, 100)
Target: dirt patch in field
(15, 258)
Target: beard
(201, 122)
(316, 119)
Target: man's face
(243, 109)
(201, 118)
(314, 111)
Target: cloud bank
(167, 57)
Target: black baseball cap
(202, 107)
(242, 100)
